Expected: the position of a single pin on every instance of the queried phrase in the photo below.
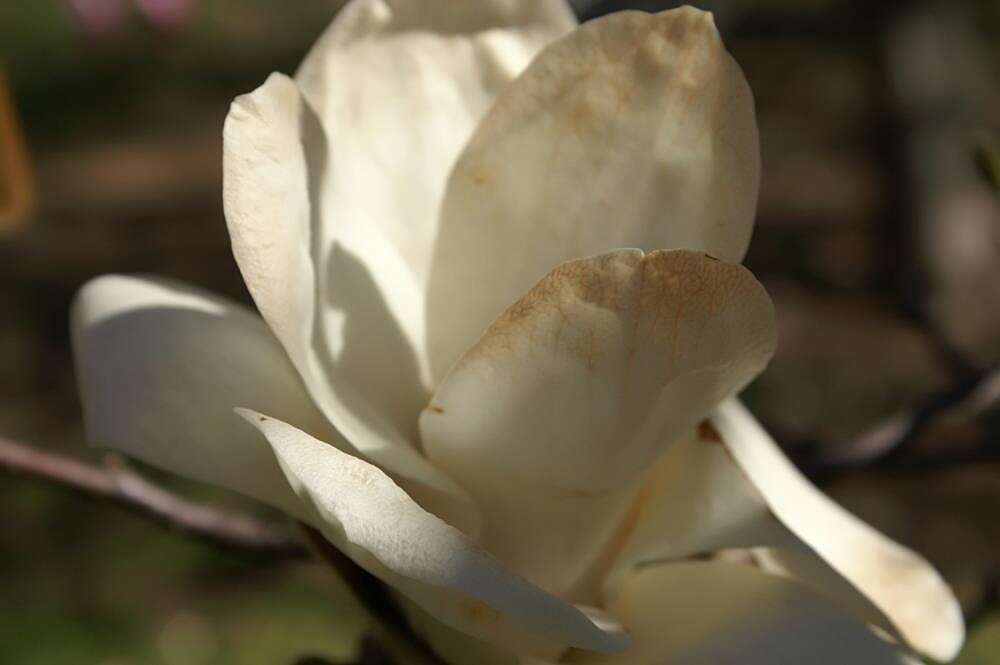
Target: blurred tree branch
(890, 439)
(115, 482)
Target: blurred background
(878, 237)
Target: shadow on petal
(372, 353)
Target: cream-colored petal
(332, 198)
(899, 582)
(552, 417)
(367, 516)
(697, 501)
(457, 648)
(729, 486)
(399, 86)
(715, 613)
(160, 367)
(636, 130)
(453, 646)
(694, 501)
(340, 326)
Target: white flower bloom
(538, 490)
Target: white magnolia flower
(547, 489)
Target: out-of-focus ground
(877, 237)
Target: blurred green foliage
(81, 582)
(983, 646)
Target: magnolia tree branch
(890, 438)
(116, 483)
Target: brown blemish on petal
(550, 313)
(479, 177)
(433, 408)
(478, 611)
(262, 419)
(607, 308)
(707, 433)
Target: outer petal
(458, 648)
(733, 488)
(368, 517)
(455, 647)
(636, 130)
(339, 330)
(160, 367)
(701, 613)
(898, 581)
(551, 418)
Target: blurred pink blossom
(104, 17)
(99, 17)
(167, 13)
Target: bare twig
(117, 483)
(895, 435)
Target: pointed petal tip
(695, 15)
(249, 415)
(953, 633)
(86, 296)
(259, 103)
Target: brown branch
(894, 436)
(118, 484)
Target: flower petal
(339, 326)
(457, 648)
(332, 198)
(898, 581)
(160, 367)
(717, 613)
(731, 487)
(368, 517)
(695, 501)
(636, 130)
(551, 418)
(399, 86)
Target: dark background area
(878, 237)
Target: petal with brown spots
(553, 416)
(636, 130)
